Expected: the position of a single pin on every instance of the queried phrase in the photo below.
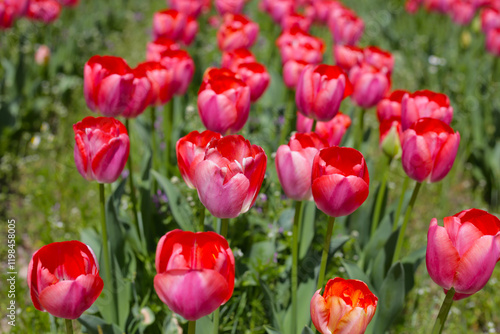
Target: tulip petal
(353, 322)
(320, 313)
(445, 158)
(217, 112)
(416, 159)
(109, 162)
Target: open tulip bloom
(425, 103)
(63, 278)
(195, 272)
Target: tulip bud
(188, 7)
(390, 138)
(174, 25)
(161, 79)
(42, 55)
(182, 66)
(141, 96)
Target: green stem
(358, 139)
(399, 244)
(167, 121)
(224, 227)
(153, 137)
(289, 110)
(326, 250)
(192, 327)
(295, 260)
(201, 226)
(443, 312)
(380, 198)
(315, 122)
(106, 255)
(69, 326)
(406, 183)
(216, 321)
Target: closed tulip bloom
(340, 180)
(46, 11)
(294, 164)
(188, 7)
(42, 55)
(390, 137)
(323, 8)
(278, 9)
(347, 56)
(346, 27)
(63, 278)
(107, 85)
(298, 45)
(195, 272)
(425, 103)
(155, 48)
(320, 91)
(256, 77)
(463, 253)
(19, 7)
(191, 150)
(490, 19)
(161, 79)
(232, 59)
(229, 6)
(6, 16)
(295, 20)
(292, 70)
(429, 150)
(229, 178)
(390, 107)
(223, 101)
(346, 307)
(101, 149)
(378, 58)
(236, 32)
(182, 65)
(174, 25)
(493, 41)
(370, 85)
(332, 131)
(141, 96)
(462, 11)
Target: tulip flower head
(188, 7)
(174, 25)
(346, 307)
(156, 48)
(348, 56)
(278, 9)
(425, 103)
(46, 11)
(370, 85)
(463, 253)
(229, 6)
(429, 150)
(346, 27)
(182, 66)
(42, 55)
(232, 59)
(101, 149)
(195, 272)
(332, 131)
(63, 278)
(236, 32)
(229, 178)
(295, 20)
(390, 107)
(161, 79)
(340, 180)
(298, 45)
(256, 77)
(142, 94)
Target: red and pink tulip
(182, 66)
(191, 8)
(332, 131)
(229, 6)
(425, 103)
(141, 95)
(161, 79)
(232, 59)
(298, 45)
(370, 85)
(390, 107)
(256, 77)
(346, 27)
(236, 32)
(46, 11)
(292, 69)
(155, 48)
(174, 25)
(347, 56)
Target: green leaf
(305, 292)
(262, 252)
(307, 230)
(270, 330)
(95, 325)
(307, 330)
(204, 325)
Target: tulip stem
(192, 327)
(443, 312)
(315, 122)
(289, 110)
(201, 226)
(326, 250)
(399, 244)
(153, 137)
(69, 326)
(167, 121)
(224, 225)
(406, 183)
(380, 198)
(358, 138)
(105, 253)
(216, 321)
(295, 259)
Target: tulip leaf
(262, 252)
(307, 330)
(307, 230)
(382, 262)
(204, 325)
(377, 241)
(270, 330)
(305, 292)
(95, 325)
(177, 203)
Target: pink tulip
(232, 59)
(346, 27)
(174, 25)
(195, 272)
(182, 66)
(412, 6)
(229, 178)
(429, 150)
(390, 107)
(158, 46)
(298, 45)
(320, 91)
(188, 7)
(425, 103)
(324, 8)
(294, 164)
(42, 55)
(223, 101)
(462, 11)
(493, 41)
(191, 150)
(490, 19)
(7, 16)
(141, 95)
(161, 79)
(19, 7)
(107, 85)
(278, 9)
(46, 11)
(63, 278)
(292, 69)
(340, 180)
(295, 20)
(347, 56)
(229, 6)
(236, 32)
(332, 131)
(370, 85)
(463, 253)
(256, 77)
(380, 59)
(101, 149)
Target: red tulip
(294, 164)
(278, 9)
(161, 79)
(229, 6)
(292, 70)
(256, 77)
(63, 278)
(18, 7)
(370, 85)
(429, 150)
(191, 150)
(182, 65)
(229, 178)
(378, 58)
(174, 25)
(493, 41)
(101, 149)
(298, 45)
(390, 107)
(223, 101)
(346, 307)
(7, 16)
(320, 91)
(232, 59)
(346, 27)
(463, 253)
(332, 131)
(158, 46)
(490, 19)
(107, 84)
(46, 11)
(195, 272)
(347, 56)
(141, 96)
(295, 20)
(462, 11)
(340, 180)
(425, 103)
(188, 7)
(324, 8)
(236, 32)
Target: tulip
(347, 56)
(378, 58)
(346, 307)
(390, 107)
(191, 8)
(493, 41)
(174, 25)
(320, 91)
(294, 164)
(161, 79)
(182, 65)
(295, 20)
(229, 6)
(101, 149)
(141, 96)
(223, 101)
(340, 180)
(429, 150)
(412, 6)
(229, 178)
(490, 19)
(462, 11)
(191, 150)
(46, 11)
(107, 84)
(237, 31)
(390, 137)
(42, 55)
(158, 46)
(232, 59)
(278, 9)
(7, 16)
(346, 27)
(195, 272)
(19, 7)
(63, 278)
(324, 8)
(370, 85)
(69, 3)
(298, 45)
(463, 253)
(425, 103)
(331, 131)
(256, 77)
(292, 69)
